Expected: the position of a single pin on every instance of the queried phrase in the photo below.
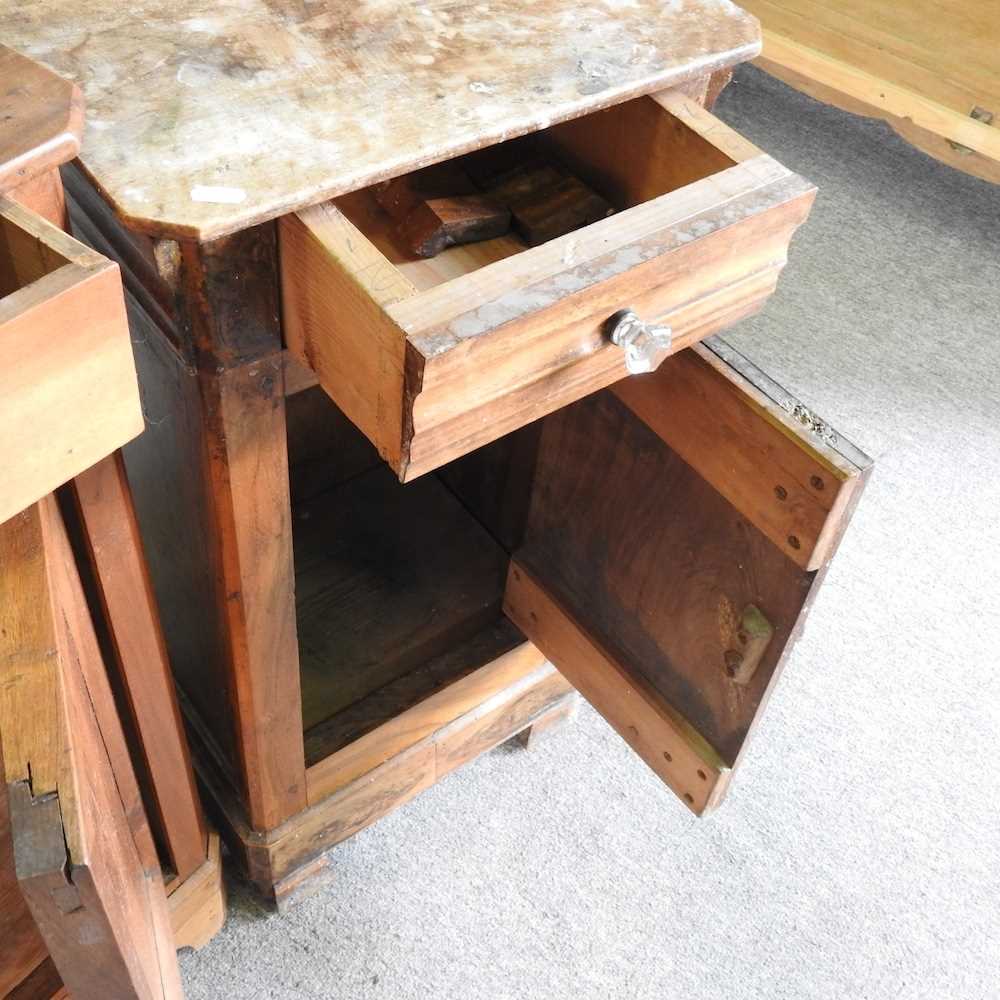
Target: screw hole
(668, 756)
(816, 483)
(533, 616)
(733, 659)
(702, 775)
(793, 540)
(689, 798)
(780, 492)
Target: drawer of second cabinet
(68, 390)
(431, 358)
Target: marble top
(208, 116)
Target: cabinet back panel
(387, 578)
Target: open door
(678, 524)
(83, 855)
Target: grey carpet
(858, 854)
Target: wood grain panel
(83, 855)
(791, 486)
(921, 66)
(112, 533)
(170, 489)
(657, 586)
(335, 288)
(656, 564)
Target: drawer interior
(629, 154)
(25, 257)
(657, 541)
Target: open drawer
(431, 359)
(658, 542)
(68, 390)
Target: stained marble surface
(206, 116)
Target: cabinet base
(198, 904)
(286, 862)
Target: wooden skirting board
(929, 69)
(279, 861)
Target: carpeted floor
(858, 855)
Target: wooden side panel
(83, 855)
(652, 581)
(112, 534)
(170, 491)
(335, 288)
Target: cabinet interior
(400, 588)
(24, 257)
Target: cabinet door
(678, 526)
(83, 855)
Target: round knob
(645, 345)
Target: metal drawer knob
(645, 345)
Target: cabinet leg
(562, 713)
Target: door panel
(677, 526)
(84, 858)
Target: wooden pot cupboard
(400, 510)
(94, 896)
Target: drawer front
(68, 390)
(433, 359)
(677, 529)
